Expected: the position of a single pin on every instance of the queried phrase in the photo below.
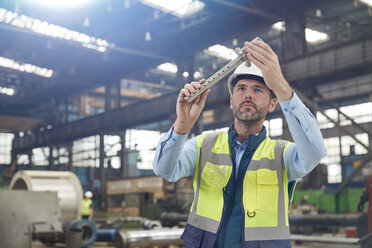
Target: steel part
(74, 237)
(89, 234)
(221, 73)
(170, 219)
(144, 238)
(65, 183)
(324, 239)
(106, 234)
(24, 214)
(324, 220)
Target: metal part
(89, 231)
(323, 239)
(65, 183)
(221, 73)
(25, 214)
(324, 220)
(106, 234)
(74, 237)
(144, 238)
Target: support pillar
(102, 175)
(124, 156)
(293, 38)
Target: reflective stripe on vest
(85, 206)
(265, 199)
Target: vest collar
(253, 140)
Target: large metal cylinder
(65, 183)
(145, 238)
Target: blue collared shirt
(176, 158)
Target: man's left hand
(267, 61)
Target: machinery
(42, 205)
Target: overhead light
(311, 35)
(315, 37)
(367, 2)
(280, 26)
(168, 67)
(180, 8)
(185, 74)
(6, 91)
(222, 52)
(9, 63)
(48, 29)
(61, 3)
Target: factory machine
(42, 205)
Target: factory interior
(88, 88)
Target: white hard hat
(88, 194)
(251, 72)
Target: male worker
(87, 206)
(242, 177)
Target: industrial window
(5, 147)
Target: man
(87, 206)
(242, 177)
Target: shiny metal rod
(145, 238)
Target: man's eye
(258, 90)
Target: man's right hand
(188, 113)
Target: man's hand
(267, 61)
(188, 113)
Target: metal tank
(65, 183)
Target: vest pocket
(260, 198)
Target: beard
(249, 117)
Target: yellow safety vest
(85, 206)
(265, 193)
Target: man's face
(251, 101)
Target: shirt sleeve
(308, 148)
(175, 157)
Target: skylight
(180, 8)
(168, 67)
(9, 63)
(221, 51)
(48, 29)
(312, 36)
(367, 2)
(6, 91)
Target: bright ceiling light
(222, 52)
(168, 67)
(311, 35)
(62, 3)
(280, 26)
(180, 8)
(367, 2)
(9, 63)
(315, 37)
(6, 91)
(48, 29)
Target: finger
(263, 45)
(184, 93)
(255, 61)
(203, 98)
(196, 85)
(260, 50)
(190, 88)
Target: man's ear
(272, 104)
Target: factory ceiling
(50, 56)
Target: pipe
(89, 234)
(324, 220)
(323, 239)
(144, 238)
(65, 183)
(74, 237)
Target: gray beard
(248, 118)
